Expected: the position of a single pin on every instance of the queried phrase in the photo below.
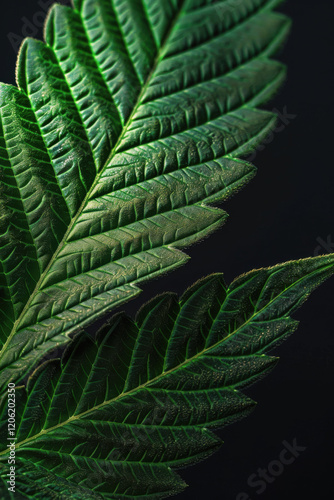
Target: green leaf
(126, 126)
(120, 412)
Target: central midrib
(158, 58)
(181, 365)
(178, 367)
(136, 389)
(87, 197)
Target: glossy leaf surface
(126, 127)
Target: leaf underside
(126, 126)
(120, 412)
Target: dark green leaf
(117, 415)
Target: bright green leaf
(127, 126)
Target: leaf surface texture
(120, 412)
(126, 126)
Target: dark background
(279, 216)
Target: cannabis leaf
(121, 411)
(124, 130)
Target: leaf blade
(116, 416)
(121, 201)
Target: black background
(278, 217)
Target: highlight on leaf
(127, 125)
(120, 412)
